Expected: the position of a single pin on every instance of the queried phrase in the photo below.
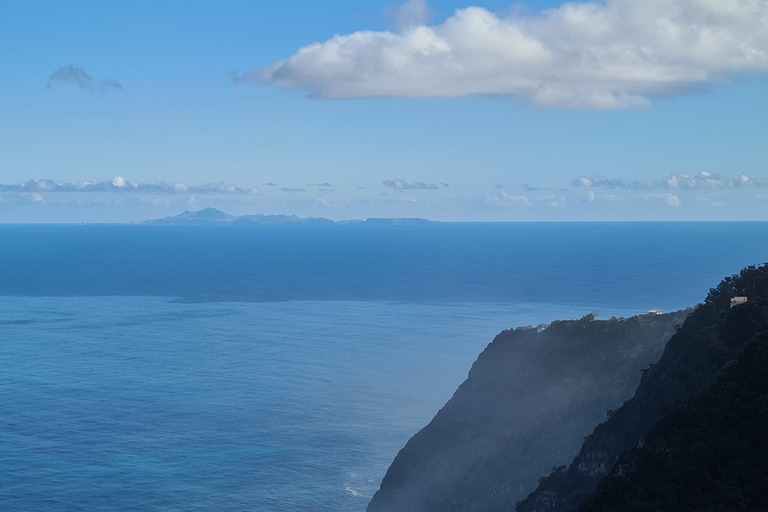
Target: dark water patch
(665, 265)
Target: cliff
(691, 437)
(712, 336)
(529, 400)
(707, 453)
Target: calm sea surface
(281, 368)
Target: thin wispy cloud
(404, 185)
(285, 189)
(702, 180)
(555, 200)
(528, 200)
(121, 185)
(669, 199)
(76, 76)
(515, 199)
(589, 55)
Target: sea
(281, 368)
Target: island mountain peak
(214, 216)
(206, 213)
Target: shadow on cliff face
(527, 404)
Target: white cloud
(515, 199)
(669, 199)
(120, 184)
(555, 200)
(404, 185)
(703, 180)
(580, 55)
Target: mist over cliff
(531, 397)
(527, 404)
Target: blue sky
(625, 110)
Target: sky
(454, 111)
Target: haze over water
(281, 368)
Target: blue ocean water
(280, 368)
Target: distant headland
(209, 216)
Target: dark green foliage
(708, 453)
(751, 282)
(710, 337)
(745, 321)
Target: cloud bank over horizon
(121, 185)
(702, 196)
(703, 180)
(404, 185)
(583, 55)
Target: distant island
(209, 216)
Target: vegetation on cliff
(707, 453)
(712, 336)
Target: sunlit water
(281, 369)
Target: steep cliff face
(710, 337)
(527, 404)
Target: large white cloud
(580, 55)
